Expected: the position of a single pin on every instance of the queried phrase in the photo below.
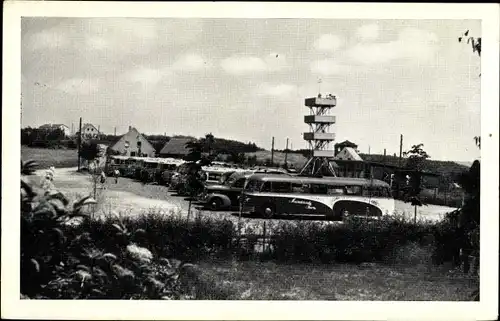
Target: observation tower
(319, 136)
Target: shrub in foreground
(62, 259)
(355, 241)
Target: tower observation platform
(319, 136)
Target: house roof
(346, 143)
(132, 129)
(52, 125)
(348, 153)
(87, 125)
(176, 146)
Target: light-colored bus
(333, 197)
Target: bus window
(281, 187)
(266, 187)
(213, 177)
(253, 186)
(335, 190)
(299, 188)
(353, 190)
(375, 191)
(319, 189)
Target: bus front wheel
(215, 204)
(268, 211)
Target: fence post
(264, 238)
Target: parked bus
(116, 162)
(334, 197)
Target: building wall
(66, 130)
(89, 132)
(131, 138)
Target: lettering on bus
(307, 203)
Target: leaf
(35, 265)
(99, 272)
(57, 195)
(43, 209)
(28, 189)
(97, 292)
(84, 201)
(118, 228)
(58, 205)
(110, 257)
(83, 267)
(187, 265)
(28, 167)
(60, 234)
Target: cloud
(50, 38)
(240, 65)
(145, 76)
(368, 32)
(79, 86)
(412, 44)
(191, 62)
(328, 67)
(328, 42)
(276, 90)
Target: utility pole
(79, 142)
(272, 152)
(400, 149)
(286, 152)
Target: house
(89, 131)
(176, 147)
(64, 128)
(340, 146)
(350, 164)
(134, 143)
(348, 153)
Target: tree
(415, 163)
(89, 151)
(474, 41)
(209, 141)
(194, 181)
(476, 47)
(111, 152)
(416, 157)
(477, 140)
(468, 221)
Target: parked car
(225, 195)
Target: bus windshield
(253, 185)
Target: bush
(169, 235)
(355, 241)
(66, 255)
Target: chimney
(129, 128)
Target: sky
(246, 79)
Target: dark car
(226, 195)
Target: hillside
(263, 156)
(447, 169)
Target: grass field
(270, 281)
(46, 157)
